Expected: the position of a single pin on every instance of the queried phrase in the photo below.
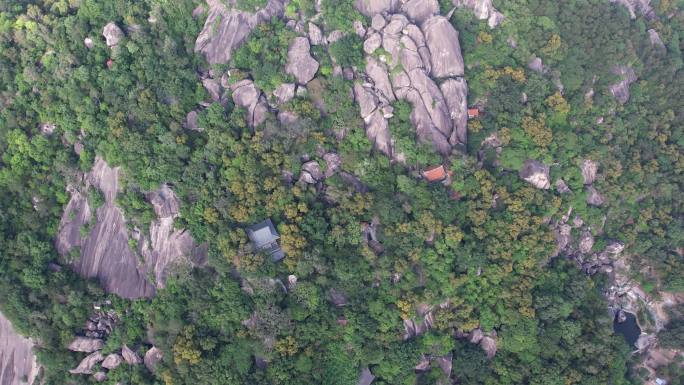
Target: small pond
(629, 328)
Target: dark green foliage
(348, 51)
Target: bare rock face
(192, 121)
(226, 28)
(130, 356)
(88, 42)
(112, 34)
(18, 364)
(378, 22)
(100, 376)
(315, 34)
(642, 7)
(86, 345)
(311, 172)
(536, 173)
(333, 163)
(563, 238)
(476, 336)
(589, 169)
(586, 242)
(152, 358)
(620, 90)
(420, 10)
(442, 40)
(87, 364)
(536, 65)
(562, 187)
(248, 96)
(300, 64)
(284, 93)
(483, 9)
(371, 8)
(488, 344)
(455, 93)
(168, 246)
(372, 43)
(655, 39)
(594, 198)
(76, 214)
(112, 361)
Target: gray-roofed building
(264, 238)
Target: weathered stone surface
(455, 93)
(314, 169)
(620, 90)
(536, 173)
(112, 34)
(366, 377)
(378, 22)
(488, 344)
(442, 40)
(85, 344)
(372, 7)
(284, 92)
(300, 64)
(562, 187)
(655, 39)
(420, 10)
(359, 28)
(248, 96)
(589, 169)
(377, 130)
(86, 365)
(335, 36)
(475, 336)
(367, 101)
(213, 87)
(226, 28)
(18, 364)
(563, 238)
(192, 121)
(594, 198)
(315, 34)
(333, 163)
(483, 9)
(112, 361)
(130, 356)
(153, 356)
(642, 7)
(377, 72)
(100, 376)
(536, 65)
(373, 42)
(586, 242)
(76, 214)
(88, 42)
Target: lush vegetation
(477, 259)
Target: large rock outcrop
(373, 7)
(248, 96)
(620, 90)
(300, 64)
(483, 10)
(18, 364)
(418, 46)
(105, 252)
(86, 365)
(112, 34)
(169, 246)
(634, 7)
(152, 357)
(589, 169)
(536, 174)
(86, 345)
(227, 27)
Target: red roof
(110, 63)
(435, 174)
(473, 112)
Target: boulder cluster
(410, 50)
(93, 347)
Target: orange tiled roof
(473, 112)
(435, 174)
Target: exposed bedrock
(536, 174)
(247, 95)
(300, 64)
(105, 252)
(227, 27)
(483, 10)
(418, 47)
(18, 364)
(620, 90)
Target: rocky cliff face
(105, 252)
(18, 364)
(483, 9)
(419, 47)
(227, 27)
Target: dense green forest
(480, 261)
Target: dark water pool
(628, 329)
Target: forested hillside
(141, 141)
